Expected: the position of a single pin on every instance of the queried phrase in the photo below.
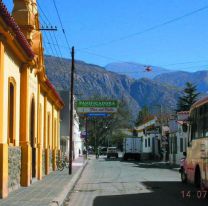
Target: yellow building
(29, 104)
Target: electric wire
(53, 37)
(62, 27)
(150, 28)
(122, 38)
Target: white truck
(132, 148)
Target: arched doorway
(32, 137)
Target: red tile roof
(50, 85)
(9, 20)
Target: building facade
(77, 144)
(178, 139)
(29, 104)
(149, 132)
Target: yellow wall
(49, 111)
(11, 69)
(41, 103)
(33, 91)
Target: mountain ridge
(93, 80)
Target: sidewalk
(51, 190)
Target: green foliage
(142, 116)
(189, 98)
(104, 130)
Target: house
(29, 104)
(149, 132)
(178, 139)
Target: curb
(59, 199)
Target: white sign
(96, 110)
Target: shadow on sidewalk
(161, 193)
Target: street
(114, 182)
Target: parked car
(103, 151)
(112, 152)
(132, 148)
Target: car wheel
(198, 179)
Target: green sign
(93, 106)
(94, 103)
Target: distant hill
(135, 70)
(179, 79)
(92, 80)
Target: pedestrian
(97, 153)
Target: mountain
(178, 79)
(135, 70)
(92, 80)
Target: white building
(178, 139)
(77, 142)
(150, 139)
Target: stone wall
(43, 163)
(57, 157)
(14, 167)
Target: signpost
(96, 108)
(101, 107)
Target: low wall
(14, 167)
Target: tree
(142, 116)
(103, 129)
(189, 97)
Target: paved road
(116, 183)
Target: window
(193, 125)
(32, 123)
(11, 110)
(171, 145)
(181, 144)
(145, 142)
(148, 142)
(174, 145)
(199, 124)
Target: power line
(44, 14)
(52, 39)
(62, 27)
(150, 28)
(122, 61)
(188, 62)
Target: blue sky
(89, 24)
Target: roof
(200, 102)
(181, 122)
(50, 85)
(183, 112)
(20, 37)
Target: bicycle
(61, 164)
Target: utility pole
(86, 137)
(71, 112)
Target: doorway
(32, 137)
